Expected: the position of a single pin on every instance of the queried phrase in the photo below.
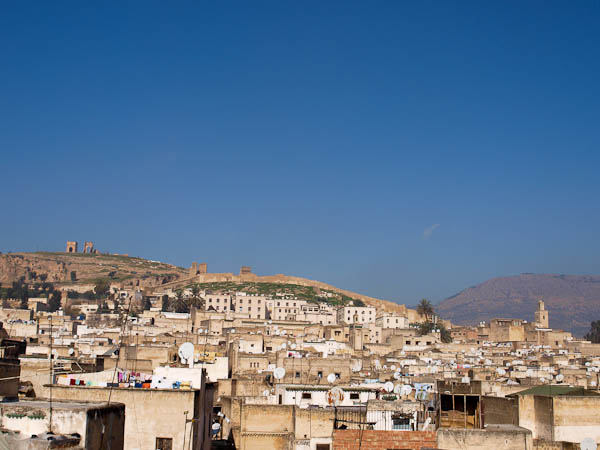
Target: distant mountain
(573, 301)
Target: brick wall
(383, 440)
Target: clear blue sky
(399, 149)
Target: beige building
(156, 418)
(255, 306)
(391, 321)
(218, 302)
(356, 314)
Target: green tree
(425, 309)
(165, 303)
(24, 300)
(102, 288)
(428, 327)
(54, 301)
(180, 305)
(197, 301)
(594, 333)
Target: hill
(131, 271)
(85, 268)
(573, 301)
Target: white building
(356, 314)
(387, 321)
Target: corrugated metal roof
(554, 390)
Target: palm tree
(180, 305)
(425, 308)
(197, 301)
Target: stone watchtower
(71, 247)
(541, 315)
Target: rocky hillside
(85, 268)
(573, 301)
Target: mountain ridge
(573, 301)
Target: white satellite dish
(500, 371)
(71, 351)
(406, 389)
(335, 396)
(397, 375)
(266, 392)
(543, 380)
(186, 351)
(200, 330)
(529, 373)
(331, 378)
(588, 444)
(393, 367)
(153, 339)
(293, 346)
(389, 386)
(465, 380)
(279, 373)
(398, 389)
(216, 426)
(560, 377)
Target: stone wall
(508, 438)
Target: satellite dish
(293, 346)
(465, 380)
(529, 373)
(266, 392)
(279, 373)
(398, 389)
(389, 386)
(500, 371)
(200, 330)
(397, 375)
(331, 378)
(406, 389)
(588, 444)
(560, 377)
(153, 339)
(543, 380)
(335, 396)
(71, 351)
(186, 351)
(393, 367)
(216, 427)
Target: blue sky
(398, 149)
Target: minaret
(541, 315)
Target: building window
(337, 375)
(164, 443)
(297, 374)
(354, 396)
(400, 423)
(319, 374)
(306, 395)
